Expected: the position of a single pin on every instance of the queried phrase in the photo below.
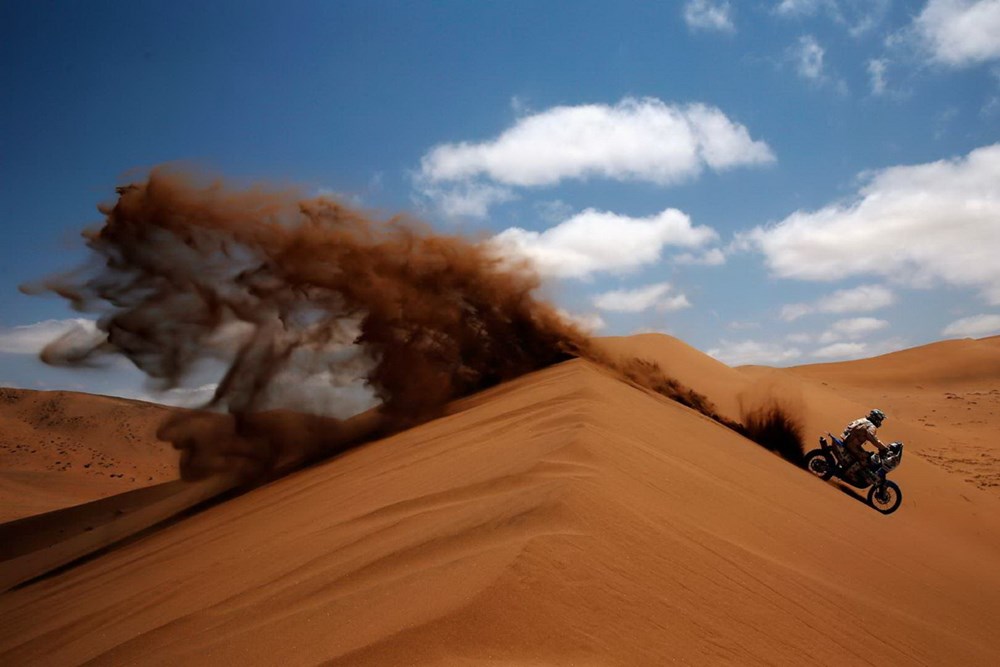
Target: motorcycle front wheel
(885, 497)
(819, 464)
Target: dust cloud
(770, 418)
(277, 289)
(306, 304)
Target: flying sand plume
(277, 285)
(281, 289)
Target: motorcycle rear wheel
(885, 497)
(819, 464)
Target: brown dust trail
(280, 289)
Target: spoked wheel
(819, 464)
(885, 497)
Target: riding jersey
(860, 431)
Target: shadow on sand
(851, 491)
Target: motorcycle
(831, 459)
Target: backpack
(862, 424)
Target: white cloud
(709, 15)
(960, 32)
(798, 7)
(808, 57)
(917, 225)
(642, 298)
(676, 302)
(467, 200)
(862, 299)
(856, 349)
(859, 327)
(711, 257)
(31, 338)
(973, 327)
(598, 241)
(864, 15)
(634, 140)
(857, 16)
(753, 352)
(852, 329)
(876, 70)
(590, 322)
(842, 351)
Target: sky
(775, 182)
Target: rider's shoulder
(860, 423)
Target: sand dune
(563, 518)
(62, 448)
(950, 363)
(725, 386)
(944, 398)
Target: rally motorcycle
(833, 460)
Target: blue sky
(773, 181)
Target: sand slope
(565, 517)
(945, 395)
(61, 448)
(728, 389)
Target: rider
(859, 432)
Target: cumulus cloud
(741, 353)
(973, 327)
(591, 322)
(644, 140)
(31, 338)
(960, 32)
(709, 15)
(852, 329)
(862, 299)
(634, 140)
(637, 300)
(916, 225)
(599, 241)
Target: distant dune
(62, 448)
(565, 517)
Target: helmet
(876, 417)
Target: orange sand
(61, 448)
(565, 518)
